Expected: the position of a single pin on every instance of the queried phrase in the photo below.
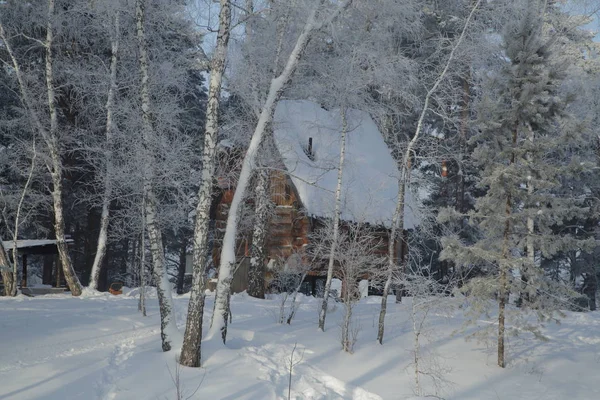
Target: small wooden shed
(51, 271)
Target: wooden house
(303, 181)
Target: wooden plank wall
(288, 230)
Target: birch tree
(259, 62)
(278, 84)
(357, 261)
(108, 185)
(336, 226)
(142, 264)
(8, 277)
(404, 177)
(167, 318)
(191, 350)
(46, 124)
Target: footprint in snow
(107, 387)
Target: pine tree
(523, 149)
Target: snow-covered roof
(21, 244)
(370, 176)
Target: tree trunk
(142, 301)
(293, 306)
(503, 292)
(397, 221)
(15, 249)
(104, 219)
(182, 263)
(58, 277)
(405, 167)
(51, 139)
(463, 130)
(163, 286)
(503, 283)
(191, 351)
(56, 164)
(8, 277)
(346, 339)
(220, 315)
(590, 286)
(256, 271)
(336, 222)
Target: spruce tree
(523, 151)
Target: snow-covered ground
(100, 347)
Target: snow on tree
(191, 350)
(314, 22)
(46, 123)
(168, 326)
(110, 128)
(405, 166)
(523, 150)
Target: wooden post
(58, 268)
(24, 279)
(47, 270)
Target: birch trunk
(336, 224)
(182, 264)
(220, 315)
(397, 221)
(191, 350)
(15, 250)
(142, 302)
(104, 218)
(161, 279)
(8, 278)
(50, 137)
(256, 271)
(56, 163)
(404, 178)
(293, 305)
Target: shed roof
(32, 243)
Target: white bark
(191, 351)
(15, 251)
(10, 281)
(50, 137)
(397, 221)
(220, 314)
(108, 155)
(294, 305)
(56, 162)
(163, 286)
(142, 301)
(405, 167)
(336, 222)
